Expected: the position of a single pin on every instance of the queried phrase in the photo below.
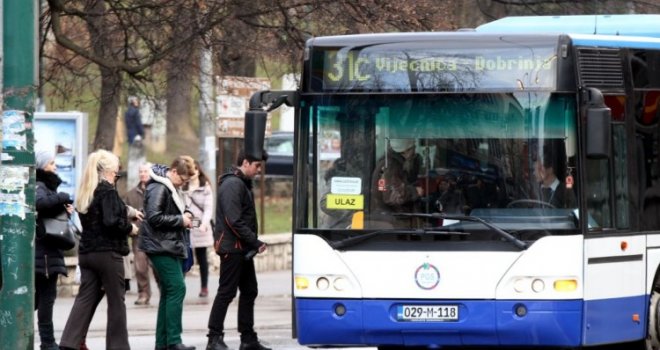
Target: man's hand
(262, 248)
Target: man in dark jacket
(394, 186)
(236, 243)
(164, 240)
(133, 120)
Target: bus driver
(549, 169)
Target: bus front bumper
(481, 322)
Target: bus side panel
(652, 259)
(613, 320)
(615, 299)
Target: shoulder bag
(58, 231)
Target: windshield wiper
(347, 242)
(507, 236)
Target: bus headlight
(322, 283)
(302, 282)
(538, 285)
(340, 284)
(565, 285)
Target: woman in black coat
(48, 259)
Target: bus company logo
(427, 276)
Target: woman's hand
(187, 220)
(69, 208)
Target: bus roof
(409, 37)
(622, 25)
(615, 41)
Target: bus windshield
(385, 162)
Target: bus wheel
(652, 339)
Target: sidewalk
(272, 315)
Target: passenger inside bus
(394, 186)
(447, 197)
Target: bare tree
(113, 44)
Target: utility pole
(207, 136)
(17, 201)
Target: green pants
(170, 306)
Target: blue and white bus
(473, 136)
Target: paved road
(272, 316)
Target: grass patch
(278, 214)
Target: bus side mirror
(255, 129)
(598, 132)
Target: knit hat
(43, 158)
(400, 145)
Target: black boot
(216, 342)
(255, 345)
(180, 347)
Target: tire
(652, 341)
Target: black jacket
(105, 225)
(162, 229)
(48, 260)
(235, 216)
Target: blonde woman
(104, 242)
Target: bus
(494, 187)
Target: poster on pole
(65, 135)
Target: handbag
(186, 264)
(58, 231)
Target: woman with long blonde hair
(103, 243)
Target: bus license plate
(427, 313)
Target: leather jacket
(162, 231)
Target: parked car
(280, 147)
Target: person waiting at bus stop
(236, 242)
(48, 256)
(393, 187)
(164, 240)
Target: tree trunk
(180, 132)
(108, 109)
(179, 101)
(110, 77)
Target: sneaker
(256, 345)
(204, 293)
(142, 301)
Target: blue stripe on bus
(481, 322)
(611, 320)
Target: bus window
(648, 138)
(399, 154)
(598, 193)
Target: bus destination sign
(370, 69)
